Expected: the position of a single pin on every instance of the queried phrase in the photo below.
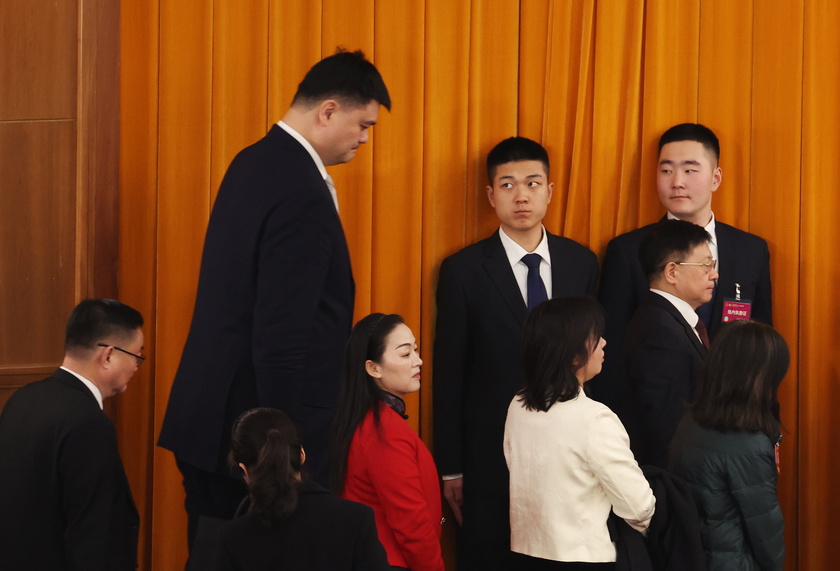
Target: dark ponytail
(266, 442)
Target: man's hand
(453, 491)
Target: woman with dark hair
(569, 456)
(376, 457)
(724, 447)
(291, 523)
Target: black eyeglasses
(140, 358)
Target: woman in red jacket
(377, 459)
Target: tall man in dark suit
(687, 177)
(275, 292)
(64, 497)
(666, 342)
(483, 296)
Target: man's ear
(245, 473)
(669, 274)
(373, 369)
(326, 109)
(490, 196)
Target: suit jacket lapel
(498, 269)
(687, 329)
(727, 261)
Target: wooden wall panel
(37, 247)
(38, 59)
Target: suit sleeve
(294, 260)
(449, 369)
(763, 303)
(754, 489)
(660, 376)
(617, 296)
(91, 476)
(400, 490)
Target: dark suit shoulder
(741, 237)
(631, 238)
(569, 245)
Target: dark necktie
(701, 331)
(536, 287)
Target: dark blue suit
(743, 259)
(273, 310)
(64, 496)
(660, 363)
(477, 371)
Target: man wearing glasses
(688, 175)
(666, 341)
(64, 495)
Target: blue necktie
(535, 286)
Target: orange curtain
(596, 81)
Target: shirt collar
(306, 145)
(515, 252)
(682, 306)
(93, 388)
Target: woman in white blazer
(569, 456)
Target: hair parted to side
(669, 241)
(266, 441)
(692, 132)
(95, 320)
(345, 75)
(359, 391)
(558, 337)
(738, 386)
(514, 150)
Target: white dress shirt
(93, 388)
(515, 252)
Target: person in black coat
(64, 497)
(663, 348)
(275, 294)
(724, 448)
(291, 523)
(688, 174)
(482, 301)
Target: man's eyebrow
(685, 162)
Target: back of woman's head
(740, 380)
(265, 441)
(359, 391)
(557, 339)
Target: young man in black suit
(666, 342)
(275, 295)
(64, 496)
(483, 296)
(688, 175)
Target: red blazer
(391, 470)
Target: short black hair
(94, 320)
(347, 76)
(556, 341)
(669, 241)
(738, 387)
(514, 150)
(692, 132)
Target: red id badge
(733, 310)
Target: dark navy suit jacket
(743, 259)
(273, 310)
(478, 352)
(64, 496)
(661, 360)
